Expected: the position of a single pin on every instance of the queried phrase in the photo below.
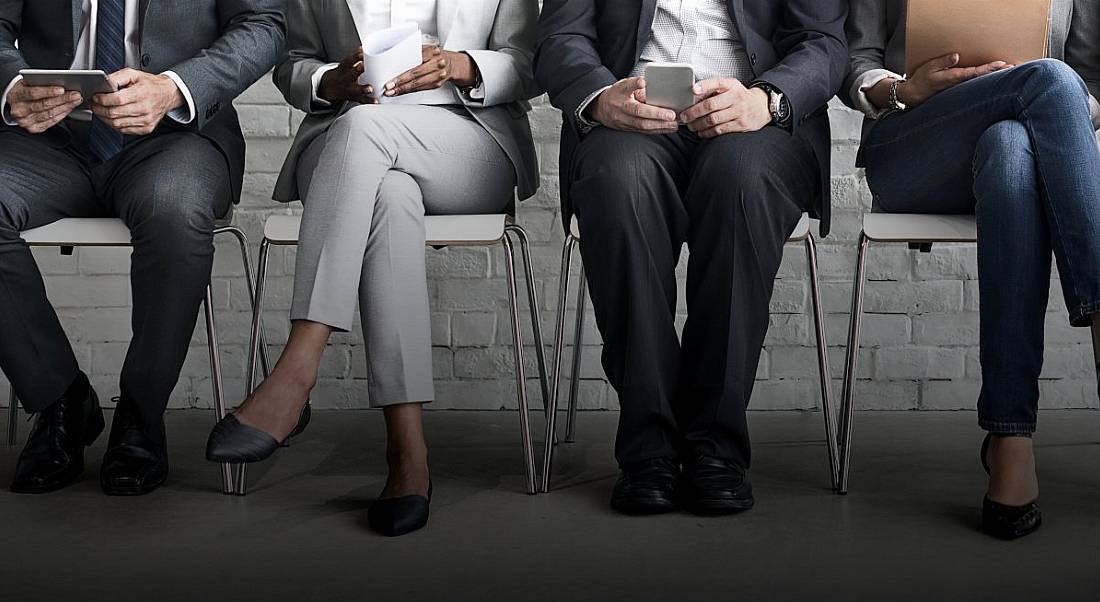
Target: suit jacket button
(145, 60)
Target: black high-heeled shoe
(1001, 520)
(400, 515)
(237, 443)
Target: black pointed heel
(398, 516)
(1003, 521)
(303, 422)
(237, 443)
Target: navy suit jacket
(798, 46)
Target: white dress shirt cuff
(866, 81)
(316, 79)
(585, 124)
(4, 112)
(185, 114)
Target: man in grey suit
(165, 153)
(730, 176)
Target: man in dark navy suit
(730, 176)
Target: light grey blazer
(498, 34)
(876, 39)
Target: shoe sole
(132, 491)
(643, 509)
(1006, 536)
(719, 507)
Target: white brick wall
(920, 332)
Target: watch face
(780, 108)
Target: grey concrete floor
(907, 531)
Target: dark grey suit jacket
(798, 46)
(218, 48)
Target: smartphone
(668, 85)
(88, 83)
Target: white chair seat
(440, 230)
(801, 231)
(89, 232)
(80, 232)
(916, 228)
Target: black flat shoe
(713, 486)
(398, 516)
(54, 455)
(237, 443)
(1001, 520)
(647, 487)
(136, 462)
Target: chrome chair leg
(827, 408)
(533, 301)
(851, 364)
(521, 382)
(250, 282)
(254, 342)
(555, 365)
(216, 379)
(575, 373)
(13, 416)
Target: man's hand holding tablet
(141, 102)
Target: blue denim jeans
(1017, 149)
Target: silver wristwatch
(895, 103)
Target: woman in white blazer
(450, 136)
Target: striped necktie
(110, 56)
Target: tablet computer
(88, 83)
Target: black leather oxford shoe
(54, 455)
(136, 461)
(647, 487)
(715, 486)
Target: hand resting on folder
(930, 79)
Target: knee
(398, 196)
(13, 214)
(735, 169)
(1056, 77)
(177, 218)
(1004, 149)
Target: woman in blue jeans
(1015, 145)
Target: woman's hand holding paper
(438, 67)
(342, 83)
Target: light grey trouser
(370, 180)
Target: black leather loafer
(398, 516)
(712, 486)
(136, 462)
(235, 442)
(647, 487)
(54, 455)
(1001, 520)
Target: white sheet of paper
(388, 53)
